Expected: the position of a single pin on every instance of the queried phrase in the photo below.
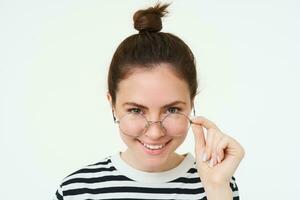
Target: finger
(205, 122)
(220, 156)
(213, 160)
(215, 153)
(234, 149)
(209, 145)
(199, 136)
(221, 148)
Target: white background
(54, 116)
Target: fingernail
(219, 159)
(204, 157)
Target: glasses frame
(149, 123)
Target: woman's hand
(217, 155)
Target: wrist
(217, 191)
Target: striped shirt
(112, 178)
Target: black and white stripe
(103, 180)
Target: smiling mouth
(154, 146)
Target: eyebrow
(144, 107)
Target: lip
(155, 151)
(165, 143)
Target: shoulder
(93, 173)
(85, 175)
(102, 165)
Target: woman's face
(148, 92)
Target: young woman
(152, 83)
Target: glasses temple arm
(114, 118)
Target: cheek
(177, 141)
(127, 140)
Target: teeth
(153, 147)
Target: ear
(109, 98)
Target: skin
(217, 155)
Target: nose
(155, 130)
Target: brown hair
(149, 48)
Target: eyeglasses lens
(135, 124)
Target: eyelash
(138, 110)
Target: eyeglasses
(136, 124)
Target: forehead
(153, 87)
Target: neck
(152, 164)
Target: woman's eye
(135, 110)
(173, 110)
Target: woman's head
(150, 47)
(151, 74)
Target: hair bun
(150, 19)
